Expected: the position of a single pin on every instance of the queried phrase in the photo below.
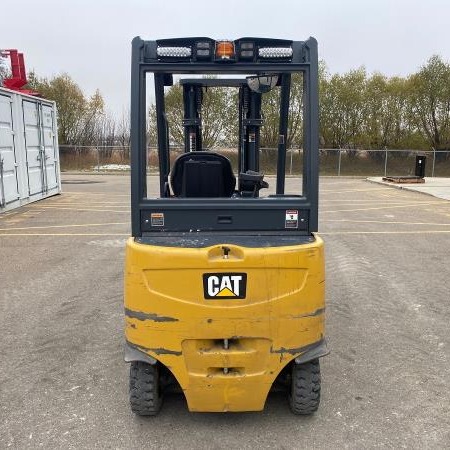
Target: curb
(402, 187)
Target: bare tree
(77, 114)
(123, 135)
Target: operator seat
(202, 174)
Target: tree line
(83, 120)
(357, 111)
(375, 112)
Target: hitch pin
(226, 250)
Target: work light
(203, 49)
(174, 52)
(247, 50)
(275, 52)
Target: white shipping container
(29, 154)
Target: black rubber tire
(145, 390)
(304, 398)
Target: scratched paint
(315, 313)
(139, 315)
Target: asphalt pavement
(386, 382)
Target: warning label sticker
(157, 219)
(291, 218)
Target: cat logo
(221, 286)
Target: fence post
(434, 162)
(98, 159)
(385, 161)
(290, 168)
(339, 163)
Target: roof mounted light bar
(249, 50)
(275, 52)
(174, 52)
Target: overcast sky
(90, 40)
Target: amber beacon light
(224, 49)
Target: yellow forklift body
(224, 352)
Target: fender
(133, 353)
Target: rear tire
(304, 398)
(145, 390)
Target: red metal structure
(18, 77)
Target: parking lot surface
(386, 382)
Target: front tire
(304, 398)
(145, 389)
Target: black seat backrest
(202, 174)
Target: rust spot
(209, 320)
(139, 315)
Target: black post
(240, 168)
(283, 129)
(138, 141)
(253, 131)
(244, 103)
(163, 135)
(198, 128)
(192, 101)
(186, 104)
(311, 135)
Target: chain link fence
(333, 162)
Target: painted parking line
(337, 233)
(321, 233)
(109, 194)
(70, 202)
(84, 205)
(327, 204)
(376, 200)
(340, 202)
(332, 191)
(8, 215)
(64, 234)
(386, 222)
(65, 226)
(384, 207)
(64, 208)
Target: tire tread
(305, 389)
(145, 396)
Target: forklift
(224, 280)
